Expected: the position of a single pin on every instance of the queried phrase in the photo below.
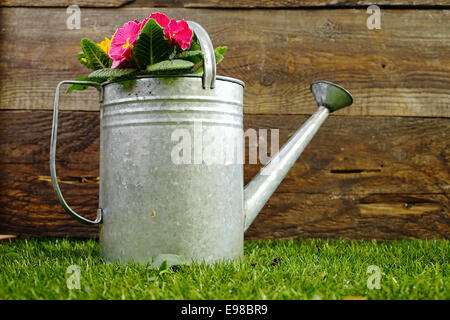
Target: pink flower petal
(123, 39)
(180, 32)
(160, 18)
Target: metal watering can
(150, 206)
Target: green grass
(309, 269)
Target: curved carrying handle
(61, 200)
(209, 58)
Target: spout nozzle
(330, 95)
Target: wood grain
(283, 3)
(317, 216)
(64, 3)
(6, 238)
(384, 177)
(299, 3)
(222, 3)
(400, 70)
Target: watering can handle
(59, 195)
(209, 58)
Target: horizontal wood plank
(354, 155)
(221, 3)
(6, 238)
(400, 70)
(29, 207)
(65, 3)
(288, 215)
(361, 177)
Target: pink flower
(162, 19)
(125, 38)
(173, 30)
(123, 41)
(180, 32)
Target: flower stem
(133, 59)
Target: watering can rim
(333, 85)
(222, 78)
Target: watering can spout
(330, 97)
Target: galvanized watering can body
(152, 203)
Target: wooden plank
(349, 155)
(29, 207)
(64, 3)
(6, 238)
(222, 3)
(289, 215)
(361, 177)
(294, 3)
(400, 70)
(357, 155)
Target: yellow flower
(106, 44)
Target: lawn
(276, 269)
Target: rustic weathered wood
(361, 177)
(6, 237)
(64, 3)
(400, 70)
(316, 215)
(30, 207)
(222, 3)
(282, 3)
(354, 155)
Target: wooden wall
(379, 169)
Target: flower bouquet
(156, 46)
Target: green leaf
(170, 65)
(163, 268)
(81, 86)
(78, 86)
(151, 46)
(194, 44)
(110, 74)
(219, 53)
(194, 56)
(166, 261)
(96, 57)
(83, 60)
(173, 54)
